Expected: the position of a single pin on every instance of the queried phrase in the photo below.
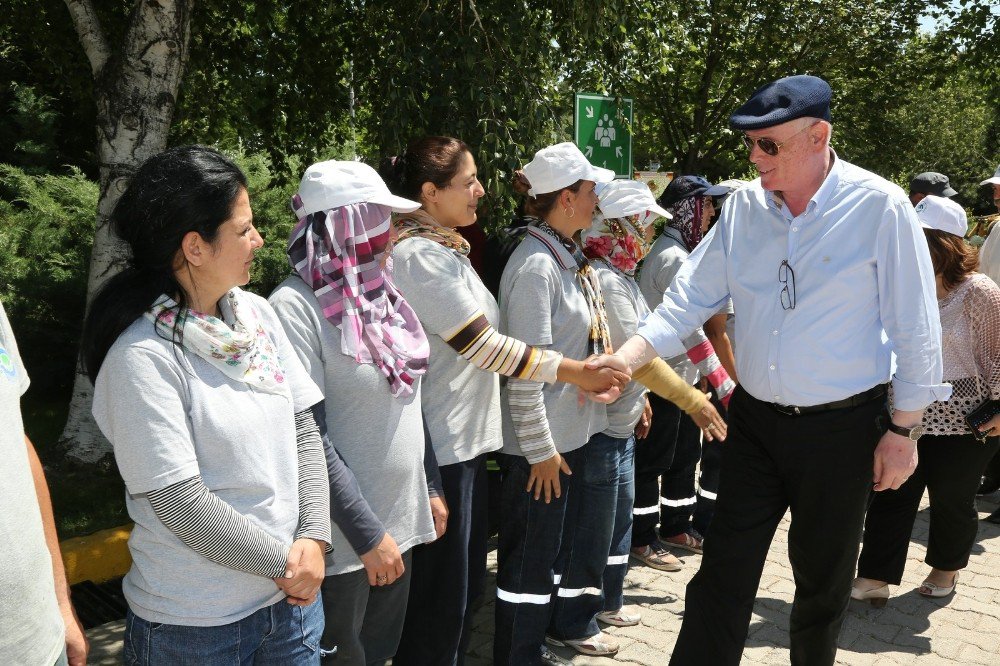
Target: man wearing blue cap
(823, 262)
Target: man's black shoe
(989, 485)
(993, 517)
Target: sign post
(603, 131)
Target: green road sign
(602, 132)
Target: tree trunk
(135, 89)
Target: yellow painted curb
(97, 557)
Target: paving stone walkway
(964, 629)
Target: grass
(84, 499)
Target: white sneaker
(598, 645)
(620, 617)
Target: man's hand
(439, 512)
(645, 421)
(545, 477)
(304, 572)
(77, 646)
(992, 427)
(610, 375)
(383, 563)
(895, 460)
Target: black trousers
(949, 467)
(448, 574)
(819, 466)
(653, 457)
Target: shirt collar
(818, 200)
(561, 254)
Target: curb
(97, 557)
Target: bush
(46, 234)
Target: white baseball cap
(995, 180)
(943, 214)
(335, 183)
(560, 166)
(621, 198)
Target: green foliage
(46, 233)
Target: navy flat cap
(683, 187)
(783, 100)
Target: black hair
(432, 159)
(184, 189)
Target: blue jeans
(532, 536)
(621, 536)
(585, 555)
(277, 634)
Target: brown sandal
(684, 540)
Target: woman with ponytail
(461, 400)
(209, 413)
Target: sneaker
(551, 658)
(690, 540)
(620, 617)
(598, 645)
(657, 557)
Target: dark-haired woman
(951, 458)
(209, 412)
(360, 339)
(461, 397)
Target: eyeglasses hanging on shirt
(786, 276)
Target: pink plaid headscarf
(341, 254)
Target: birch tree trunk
(135, 89)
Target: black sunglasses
(769, 146)
(787, 277)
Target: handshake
(601, 378)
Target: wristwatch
(914, 433)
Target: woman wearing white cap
(616, 242)
(361, 341)
(550, 298)
(461, 393)
(951, 456)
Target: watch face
(916, 432)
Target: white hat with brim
(621, 198)
(995, 180)
(334, 183)
(560, 166)
(943, 214)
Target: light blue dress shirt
(864, 288)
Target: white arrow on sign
(618, 151)
(590, 112)
(589, 152)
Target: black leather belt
(853, 401)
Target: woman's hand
(304, 572)
(992, 427)
(545, 477)
(439, 511)
(645, 421)
(712, 425)
(383, 563)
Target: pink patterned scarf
(342, 254)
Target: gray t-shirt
(461, 403)
(381, 438)
(626, 308)
(658, 270)
(541, 304)
(31, 626)
(171, 415)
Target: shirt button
(773, 367)
(795, 228)
(777, 397)
(774, 332)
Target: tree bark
(135, 89)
